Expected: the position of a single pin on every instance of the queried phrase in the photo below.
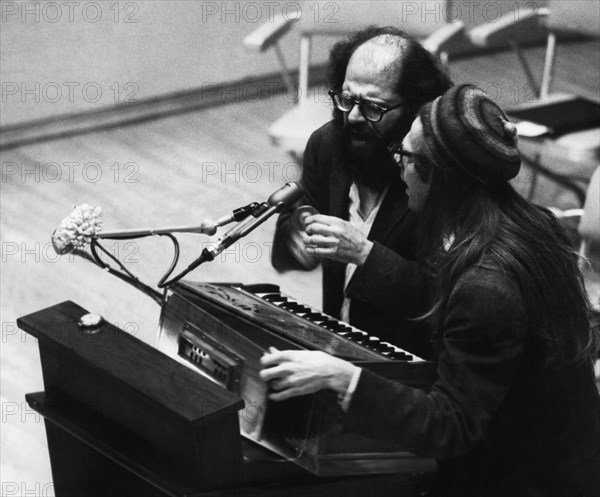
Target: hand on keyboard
(291, 373)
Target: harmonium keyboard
(221, 330)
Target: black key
(302, 309)
(274, 297)
(330, 324)
(400, 356)
(355, 336)
(373, 343)
(290, 306)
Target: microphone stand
(277, 201)
(257, 210)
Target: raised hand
(333, 238)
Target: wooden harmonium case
(221, 331)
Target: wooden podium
(123, 419)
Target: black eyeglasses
(403, 158)
(370, 111)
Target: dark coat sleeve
(483, 336)
(314, 182)
(387, 280)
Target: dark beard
(371, 165)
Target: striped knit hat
(466, 130)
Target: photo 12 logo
(68, 91)
(270, 12)
(69, 12)
(249, 172)
(470, 11)
(69, 171)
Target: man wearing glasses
(362, 232)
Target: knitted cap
(465, 129)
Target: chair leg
(285, 73)
(548, 66)
(525, 65)
(305, 49)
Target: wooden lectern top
(172, 386)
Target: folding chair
(559, 133)
(292, 130)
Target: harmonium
(221, 330)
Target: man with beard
(363, 232)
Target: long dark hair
(422, 76)
(493, 224)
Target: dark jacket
(500, 419)
(389, 288)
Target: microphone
(280, 199)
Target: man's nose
(355, 115)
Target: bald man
(362, 233)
